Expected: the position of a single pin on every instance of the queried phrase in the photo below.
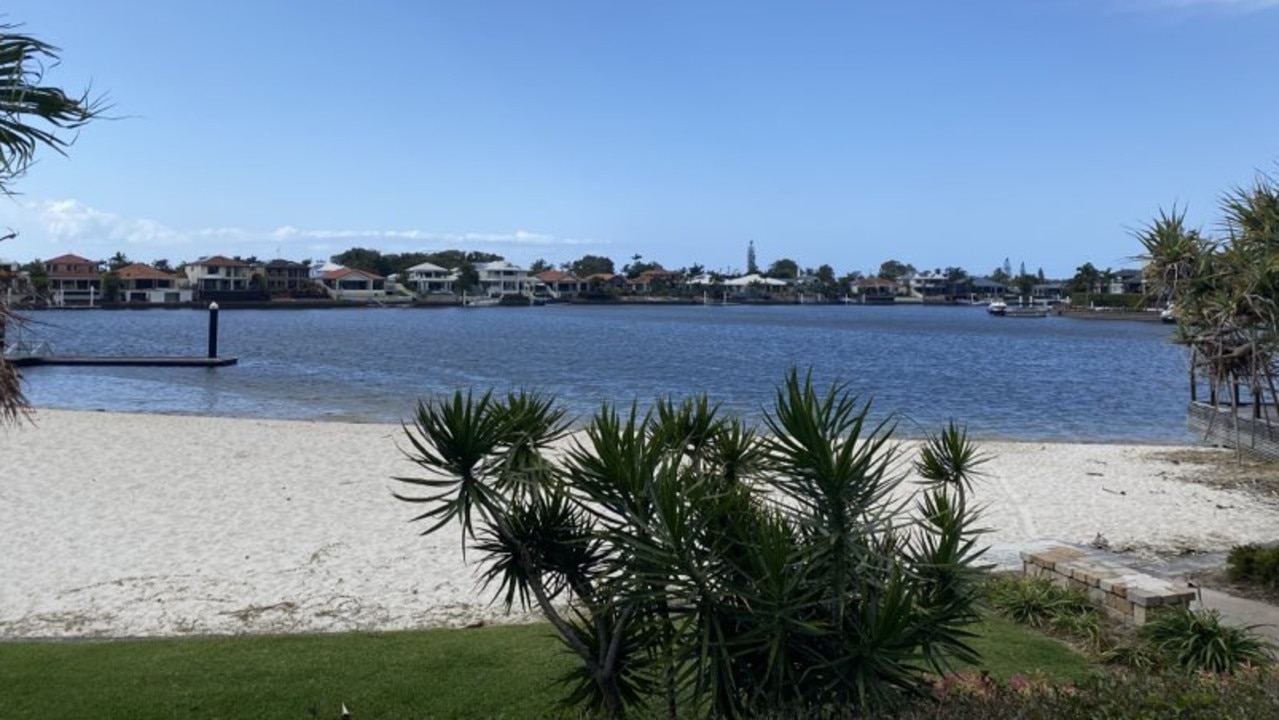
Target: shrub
(1036, 602)
(1197, 640)
(693, 565)
(1254, 564)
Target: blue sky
(939, 133)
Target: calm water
(1051, 378)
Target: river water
(1030, 379)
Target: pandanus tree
(696, 565)
(1224, 292)
(32, 116)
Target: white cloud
(52, 227)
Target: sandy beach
(118, 525)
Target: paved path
(1242, 611)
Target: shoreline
(145, 525)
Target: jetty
(23, 353)
(23, 360)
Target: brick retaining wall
(1123, 593)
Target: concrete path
(1242, 611)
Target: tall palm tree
(32, 115)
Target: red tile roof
(551, 276)
(138, 271)
(70, 259)
(348, 272)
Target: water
(1032, 379)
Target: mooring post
(213, 329)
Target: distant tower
(751, 267)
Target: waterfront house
(984, 287)
(353, 284)
(560, 284)
(74, 280)
(926, 284)
(143, 284)
(431, 279)
(651, 281)
(500, 278)
(1128, 282)
(218, 277)
(288, 278)
(875, 289)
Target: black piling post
(213, 329)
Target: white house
(427, 278)
(926, 283)
(502, 278)
(218, 274)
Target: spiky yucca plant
(693, 565)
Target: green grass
(484, 673)
(492, 672)
(1009, 649)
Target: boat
(480, 300)
(999, 308)
(1168, 315)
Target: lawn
(492, 672)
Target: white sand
(139, 525)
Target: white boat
(480, 300)
(997, 307)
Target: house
(559, 283)
(428, 279)
(500, 278)
(218, 277)
(288, 278)
(143, 284)
(929, 283)
(604, 281)
(656, 280)
(74, 280)
(1131, 282)
(875, 289)
(352, 284)
(985, 287)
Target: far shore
(122, 525)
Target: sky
(933, 132)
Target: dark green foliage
(1254, 564)
(692, 565)
(1036, 602)
(1196, 640)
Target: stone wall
(1123, 593)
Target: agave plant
(693, 565)
(1198, 641)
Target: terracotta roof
(348, 272)
(70, 259)
(556, 276)
(138, 271)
